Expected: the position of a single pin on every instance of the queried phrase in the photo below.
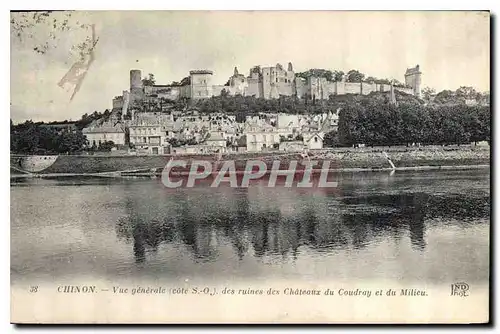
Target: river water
(430, 227)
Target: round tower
(135, 79)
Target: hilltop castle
(266, 82)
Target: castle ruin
(262, 82)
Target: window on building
(315, 139)
(276, 79)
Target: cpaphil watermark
(182, 173)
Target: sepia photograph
(250, 167)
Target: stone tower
(413, 78)
(201, 84)
(136, 86)
(135, 79)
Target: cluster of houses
(160, 133)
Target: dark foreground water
(428, 227)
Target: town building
(313, 141)
(148, 132)
(107, 131)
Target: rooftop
(201, 72)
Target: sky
(452, 49)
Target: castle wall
(185, 91)
(384, 88)
(286, 89)
(253, 88)
(238, 84)
(217, 89)
(171, 93)
(329, 89)
(118, 102)
(352, 88)
(301, 87)
(405, 90)
(315, 89)
(367, 88)
(339, 88)
(266, 82)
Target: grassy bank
(339, 158)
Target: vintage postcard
(186, 167)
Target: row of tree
(38, 138)
(351, 76)
(460, 96)
(386, 124)
(243, 106)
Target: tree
(106, 146)
(317, 73)
(355, 76)
(149, 80)
(338, 75)
(427, 94)
(397, 83)
(38, 138)
(186, 81)
(445, 97)
(331, 139)
(467, 93)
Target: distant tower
(136, 86)
(201, 84)
(413, 78)
(135, 79)
(126, 101)
(290, 66)
(236, 71)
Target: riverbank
(340, 159)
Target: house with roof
(111, 130)
(313, 140)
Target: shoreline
(339, 161)
(132, 175)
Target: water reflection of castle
(203, 222)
